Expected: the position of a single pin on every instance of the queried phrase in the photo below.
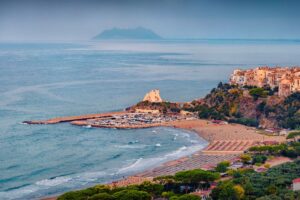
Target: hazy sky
(83, 19)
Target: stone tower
(153, 96)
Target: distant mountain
(138, 33)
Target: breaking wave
(141, 164)
(53, 182)
(61, 181)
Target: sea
(41, 80)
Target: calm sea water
(40, 81)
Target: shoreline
(225, 142)
(138, 177)
(219, 148)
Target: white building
(296, 184)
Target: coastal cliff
(260, 107)
(248, 105)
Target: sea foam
(53, 182)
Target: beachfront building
(286, 79)
(296, 184)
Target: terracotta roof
(297, 180)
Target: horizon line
(149, 40)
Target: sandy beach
(217, 132)
(226, 142)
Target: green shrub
(245, 158)
(196, 176)
(258, 92)
(189, 197)
(74, 195)
(259, 159)
(245, 121)
(291, 153)
(151, 188)
(131, 195)
(222, 166)
(101, 196)
(168, 194)
(226, 191)
(293, 134)
(260, 107)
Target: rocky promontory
(153, 96)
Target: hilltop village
(287, 80)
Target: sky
(23, 20)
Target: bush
(239, 191)
(189, 197)
(245, 121)
(151, 188)
(132, 195)
(270, 197)
(82, 194)
(260, 107)
(291, 153)
(269, 149)
(245, 158)
(222, 166)
(196, 176)
(293, 134)
(168, 194)
(204, 112)
(74, 195)
(258, 92)
(267, 166)
(227, 191)
(259, 159)
(101, 196)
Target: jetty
(74, 118)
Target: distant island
(138, 33)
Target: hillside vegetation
(245, 184)
(250, 106)
(273, 184)
(169, 187)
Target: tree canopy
(196, 176)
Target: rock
(153, 96)
(268, 122)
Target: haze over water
(40, 81)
